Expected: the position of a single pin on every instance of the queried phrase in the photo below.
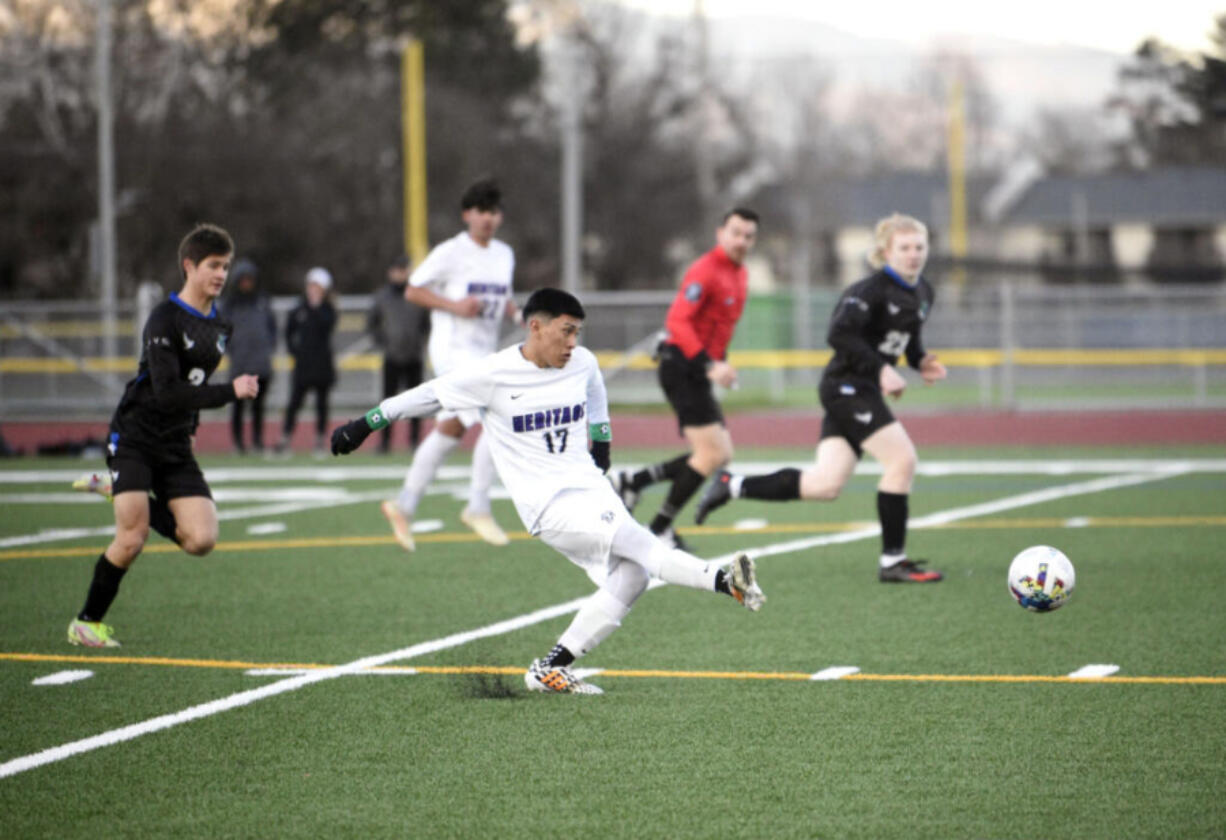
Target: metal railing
(1008, 345)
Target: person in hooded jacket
(251, 347)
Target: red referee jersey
(703, 316)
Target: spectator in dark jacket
(250, 348)
(399, 329)
(308, 335)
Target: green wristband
(376, 419)
(600, 431)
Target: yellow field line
(723, 530)
(636, 673)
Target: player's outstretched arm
(415, 402)
(350, 436)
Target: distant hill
(1021, 76)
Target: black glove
(349, 437)
(600, 454)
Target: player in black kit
(154, 476)
(875, 321)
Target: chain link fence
(1008, 345)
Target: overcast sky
(1117, 26)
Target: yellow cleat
(485, 527)
(400, 525)
(99, 483)
(91, 634)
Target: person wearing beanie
(308, 336)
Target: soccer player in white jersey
(466, 283)
(543, 401)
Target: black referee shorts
(687, 389)
(170, 471)
(854, 410)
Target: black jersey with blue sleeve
(180, 349)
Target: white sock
(482, 476)
(887, 560)
(635, 543)
(599, 616)
(734, 485)
(425, 464)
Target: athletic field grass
(311, 679)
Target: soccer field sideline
(61, 752)
(450, 477)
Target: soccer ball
(1041, 578)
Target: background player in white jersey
(465, 282)
(543, 400)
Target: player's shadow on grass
(489, 687)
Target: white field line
(277, 509)
(243, 698)
(1094, 672)
(225, 515)
(334, 474)
(290, 672)
(1035, 497)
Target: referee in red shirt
(700, 324)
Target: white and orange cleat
(555, 679)
(484, 526)
(401, 527)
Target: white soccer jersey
(536, 418)
(456, 269)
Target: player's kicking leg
(637, 556)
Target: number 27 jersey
(875, 321)
(458, 268)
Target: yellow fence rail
(744, 359)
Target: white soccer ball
(1041, 578)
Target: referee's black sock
(161, 519)
(780, 486)
(665, 470)
(685, 485)
(892, 511)
(102, 590)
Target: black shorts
(854, 411)
(169, 471)
(688, 390)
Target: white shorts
(470, 416)
(580, 524)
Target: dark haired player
(875, 321)
(466, 283)
(544, 400)
(154, 476)
(700, 324)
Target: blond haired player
(875, 321)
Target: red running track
(777, 428)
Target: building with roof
(1168, 224)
